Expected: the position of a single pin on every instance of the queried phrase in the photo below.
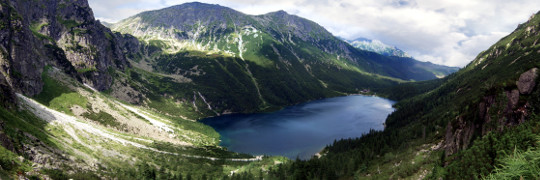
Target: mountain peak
(196, 4)
(280, 12)
(377, 46)
(200, 8)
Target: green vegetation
(24, 121)
(491, 150)
(66, 101)
(59, 174)
(52, 88)
(519, 165)
(35, 28)
(242, 86)
(85, 70)
(68, 23)
(22, 127)
(158, 44)
(103, 118)
(58, 96)
(79, 31)
(11, 164)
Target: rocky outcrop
(7, 97)
(495, 113)
(61, 33)
(89, 46)
(527, 81)
(20, 61)
(130, 45)
(458, 135)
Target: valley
(84, 99)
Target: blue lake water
(301, 130)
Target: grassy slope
(519, 165)
(233, 85)
(111, 157)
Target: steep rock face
(130, 45)
(20, 61)
(59, 33)
(7, 97)
(88, 45)
(458, 135)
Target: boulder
(527, 81)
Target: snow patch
(90, 87)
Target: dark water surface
(301, 130)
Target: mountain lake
(301, 130)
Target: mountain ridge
(218, 34)
(378, 47)
(258, 53)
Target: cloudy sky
(449, 32)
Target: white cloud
(450, 32)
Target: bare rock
(513, 98)
(527, 81)
(7, 97)
(458, 136)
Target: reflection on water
(301, 130)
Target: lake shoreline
(303, 129)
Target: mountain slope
(217, 60)
(460, 127)
(221, 30)
(376, 46)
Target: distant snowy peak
(378, 47)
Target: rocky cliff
(495, 113)
(56, 33)
(65, 34)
